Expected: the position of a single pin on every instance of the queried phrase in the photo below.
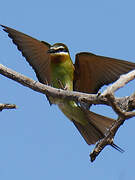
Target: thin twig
(7, 106)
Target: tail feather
(96, 128)
(117, 148)
(89, 132)
(103, 123)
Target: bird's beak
(51, 51)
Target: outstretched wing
(34, 51)
(92, 71)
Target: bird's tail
(96, 128)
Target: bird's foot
(62, 86)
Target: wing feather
(34, 51)
(92, 71)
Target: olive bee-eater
(53, 66)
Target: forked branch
(123, 114)
(122, 106)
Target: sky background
(37, 141)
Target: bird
(54, 67)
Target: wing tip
(5, 28)
(2, 25)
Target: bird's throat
(58, 58)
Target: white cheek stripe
(59, 53)
(62, 53)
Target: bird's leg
(62, 86)
(65, 88)
(46, 82)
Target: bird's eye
(60, 50)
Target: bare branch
(71, 95)
(114, 106)
(108, 140)
(122, 115)
(37, 86)
(124, 79)
(120, 105)
(7, 106)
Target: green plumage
(62, 77)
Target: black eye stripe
(61, 50)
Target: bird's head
(58, 49)
(59, 52)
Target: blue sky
(37, 141)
